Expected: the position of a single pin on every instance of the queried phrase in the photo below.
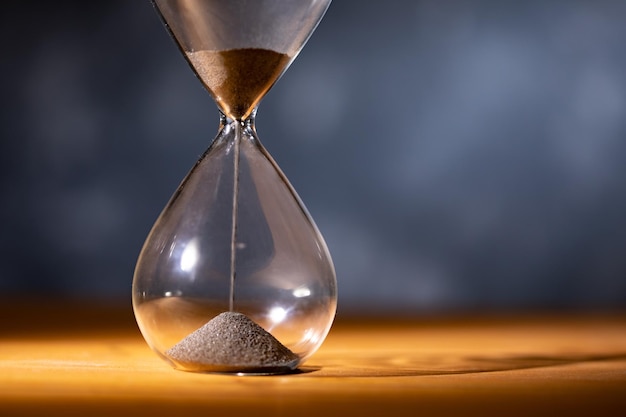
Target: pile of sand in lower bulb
(232, 342)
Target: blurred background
(456, 155)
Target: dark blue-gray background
(455, 154)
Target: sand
(232, 342)
(238, 78)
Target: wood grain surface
(70, 359)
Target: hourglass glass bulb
(235, 238)
(239, 48)
(234, 275)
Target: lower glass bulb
(234, 275)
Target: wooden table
(72, 359)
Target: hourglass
(234, 276)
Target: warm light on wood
(531, 366)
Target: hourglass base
(239, 371)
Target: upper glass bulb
(239, 48)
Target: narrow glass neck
(244, 122)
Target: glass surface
(234, 275)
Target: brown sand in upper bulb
(231, 342)
(238, 78)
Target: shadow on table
(383, 366)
